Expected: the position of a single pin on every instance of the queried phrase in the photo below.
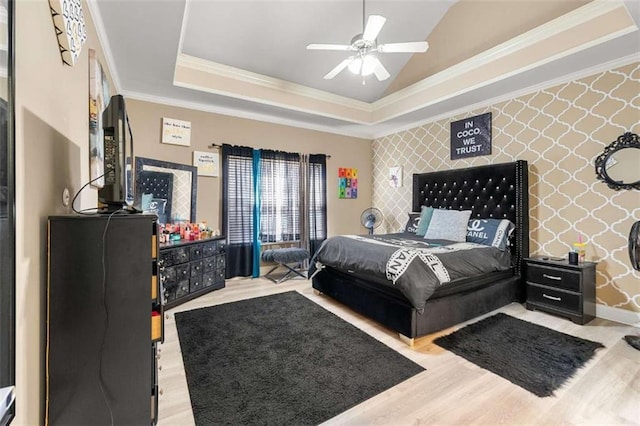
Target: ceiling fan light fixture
(368, 65)
(356, 65)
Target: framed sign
(207, 163)
(176, 132)
(471, 137)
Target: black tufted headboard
(160, 185)
(499, 191)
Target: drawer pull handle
(557, 299)
(552, 277)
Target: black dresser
(104, 320)
(562, 289)
(189, 269)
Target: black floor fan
(371, 218)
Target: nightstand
(560, 288)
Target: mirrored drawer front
(555, 277)
(195, 283)
(565, 300)
(208, 279)
(183, 289)
(167, 276)
(196, 251)
(210, 248)
(196, 267)
(166, 259)
(220, 276)
(208, 263)
(220, 261)
(183, 272)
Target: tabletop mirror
(617, 166)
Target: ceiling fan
(365, 46)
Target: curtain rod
(215, 145)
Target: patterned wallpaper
(559, 131)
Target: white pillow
(448, 225)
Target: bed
(497, 191)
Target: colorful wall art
(347, 183)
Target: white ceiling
(248, 59)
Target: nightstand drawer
(554, 277)
(559, 299)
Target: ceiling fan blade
(408, 47)
(374, 25)
(380, 71)
(342, 65)
(317, 46)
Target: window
(317, 200)
(240, 203)
(270, 197)
(279, 187)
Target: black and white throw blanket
(415, 265)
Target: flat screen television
(117, 192)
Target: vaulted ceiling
(248, 58)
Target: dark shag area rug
(281, 360)
(533, 357)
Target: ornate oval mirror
(618, 166)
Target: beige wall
(470, 27)
(207, 128)
(559, 131)
(51, 154)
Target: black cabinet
(104, 319)
(189, 269)
(562, 289)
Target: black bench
(289, 258)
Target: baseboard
(619, 315)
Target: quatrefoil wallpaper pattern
(559, 131)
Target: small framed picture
(395, 176)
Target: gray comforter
(415, 265)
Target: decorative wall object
(68, 21)
(347, 183)
(184, 186)
(98, 99)
(176, 132)
(471, 137)
(208, 163)
(395, 176)
(559, 130)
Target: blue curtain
(256, 213)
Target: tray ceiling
(248, 58)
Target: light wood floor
(451, 390)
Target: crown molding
(269, 102)
(103, 40)
(577, 75)
(357, 132)
(260, 80)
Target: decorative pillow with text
(412, 223)
(490, 232)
